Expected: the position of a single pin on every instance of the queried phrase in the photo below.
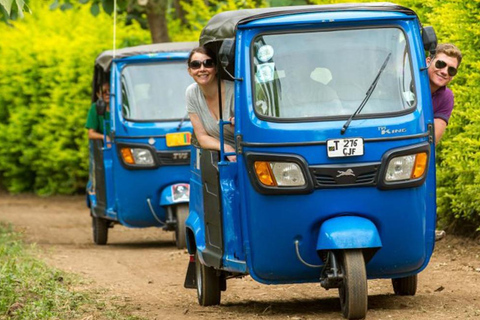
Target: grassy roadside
(29, 289)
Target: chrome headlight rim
(130, 166)
(400, 152)
(252, 157)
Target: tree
(159, 16)
(11, 9)
(151, 14)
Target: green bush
(46, 63)
(458, 157)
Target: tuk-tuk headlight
(137, 156)
(279, 174)
(406, 167)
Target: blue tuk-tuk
(139, 173)
(335, 177)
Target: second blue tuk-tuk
(139, 173)
(335, 176)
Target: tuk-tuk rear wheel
(208, 284)
(406, 286)
(353, 291)
(181, 213)
(100, 230)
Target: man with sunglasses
(442, 68)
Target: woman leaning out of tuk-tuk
(203, 99)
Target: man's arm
(440, 126)
(92, 134)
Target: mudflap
(190, 278)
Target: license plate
(345, 147)
(178, 139)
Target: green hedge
(46, 67)
(458, 155)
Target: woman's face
(197, 70)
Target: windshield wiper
(367, 95)
(182, 121)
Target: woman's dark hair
(203, 50)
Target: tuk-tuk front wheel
(353, 291)
(406, 286)
(100, 230)
(208, 284)
(181, 214)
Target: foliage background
(46, 64)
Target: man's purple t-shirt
(442, 101)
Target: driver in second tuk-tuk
(203, 102)
(95, 122)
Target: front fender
(174, 194)
(348, 232)
(195, 236)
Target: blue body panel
(128, 191)
(260, 230)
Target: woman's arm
(207, 141)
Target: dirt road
(143, 268)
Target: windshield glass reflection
(325, 74)
(154, 92)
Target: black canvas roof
(224, 25)
(105, 58)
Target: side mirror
(429, 39)
(227, 52)
(101, 107)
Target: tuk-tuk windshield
(328, 73)
(154, 92)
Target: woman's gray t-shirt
(196, 103)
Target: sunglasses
(440, 64)
(197, 64)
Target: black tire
(100, 231)
(208, 284)
(406, 286)
(181, 213)
(353, 290)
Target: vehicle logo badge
(348, 172)
(385, 130)
(180, 155)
